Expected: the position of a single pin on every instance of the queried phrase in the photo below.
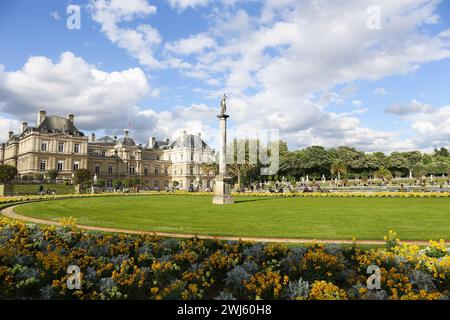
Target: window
(44, 146)
(103, 153)
(156, 170)
(61, 147)
(181, 171)
(166, 184)
(97, 168)
(109, 184)
(192, 156)
(132, 171)
(156, 183)
(110, 168)
(76, 166)
(191, 170)
(60, 166)
(145, 171)
(76, 148)
(175, 171)
(158, 157)
(43, 165)
(181, 156)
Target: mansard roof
(55, 124)
(105, 140)
(158, 144)
(188, 141)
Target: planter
(6, 190)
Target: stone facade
(56, 144)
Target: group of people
(42, 191)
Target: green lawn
(315, 218)
(29, 189)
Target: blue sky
(312, 69)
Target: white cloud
(414, 107)
(6, 125)
(99, 99)
(141, 41)
(55, 15)
(194, 44)
(293, 53)
(380, 91)
(182, 5)
(431, 128)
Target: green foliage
(7, 173)
(82, 177)
(53, 174)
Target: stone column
(222, 189)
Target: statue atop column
(222, 182)
(223, 104)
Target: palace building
(55, 143)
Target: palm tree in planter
(81, 178)
(338, 168)
(53, 174)
(383, 174)
(7, 174)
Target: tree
(338, 168)
(442, 152)
(383, 174)
(419, 170)
(82, 177)
(7, 173)
(53, 174)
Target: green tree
(7, 173)
(383, 173)
(338, 168)
(82, 177)
(442, 152)
(53, 174)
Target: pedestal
(222, 190)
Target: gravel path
(10, 213)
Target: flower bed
(34, 261)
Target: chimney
(41, 117)
(92, 136)
(71, 117)
(126, 132)
(10, 134)
(24, 126)
(153, 141)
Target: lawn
(28, 189)
(315, 218)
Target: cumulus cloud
(193, 44)
(413, 107)
(432, 128)
(380, 91)
(102, 101)
(141, 41)
(280, 56)
(71, 85)
(182, 5)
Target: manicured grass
(315, 218)
(28, 189)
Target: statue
(223, 104)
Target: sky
(371, 74)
